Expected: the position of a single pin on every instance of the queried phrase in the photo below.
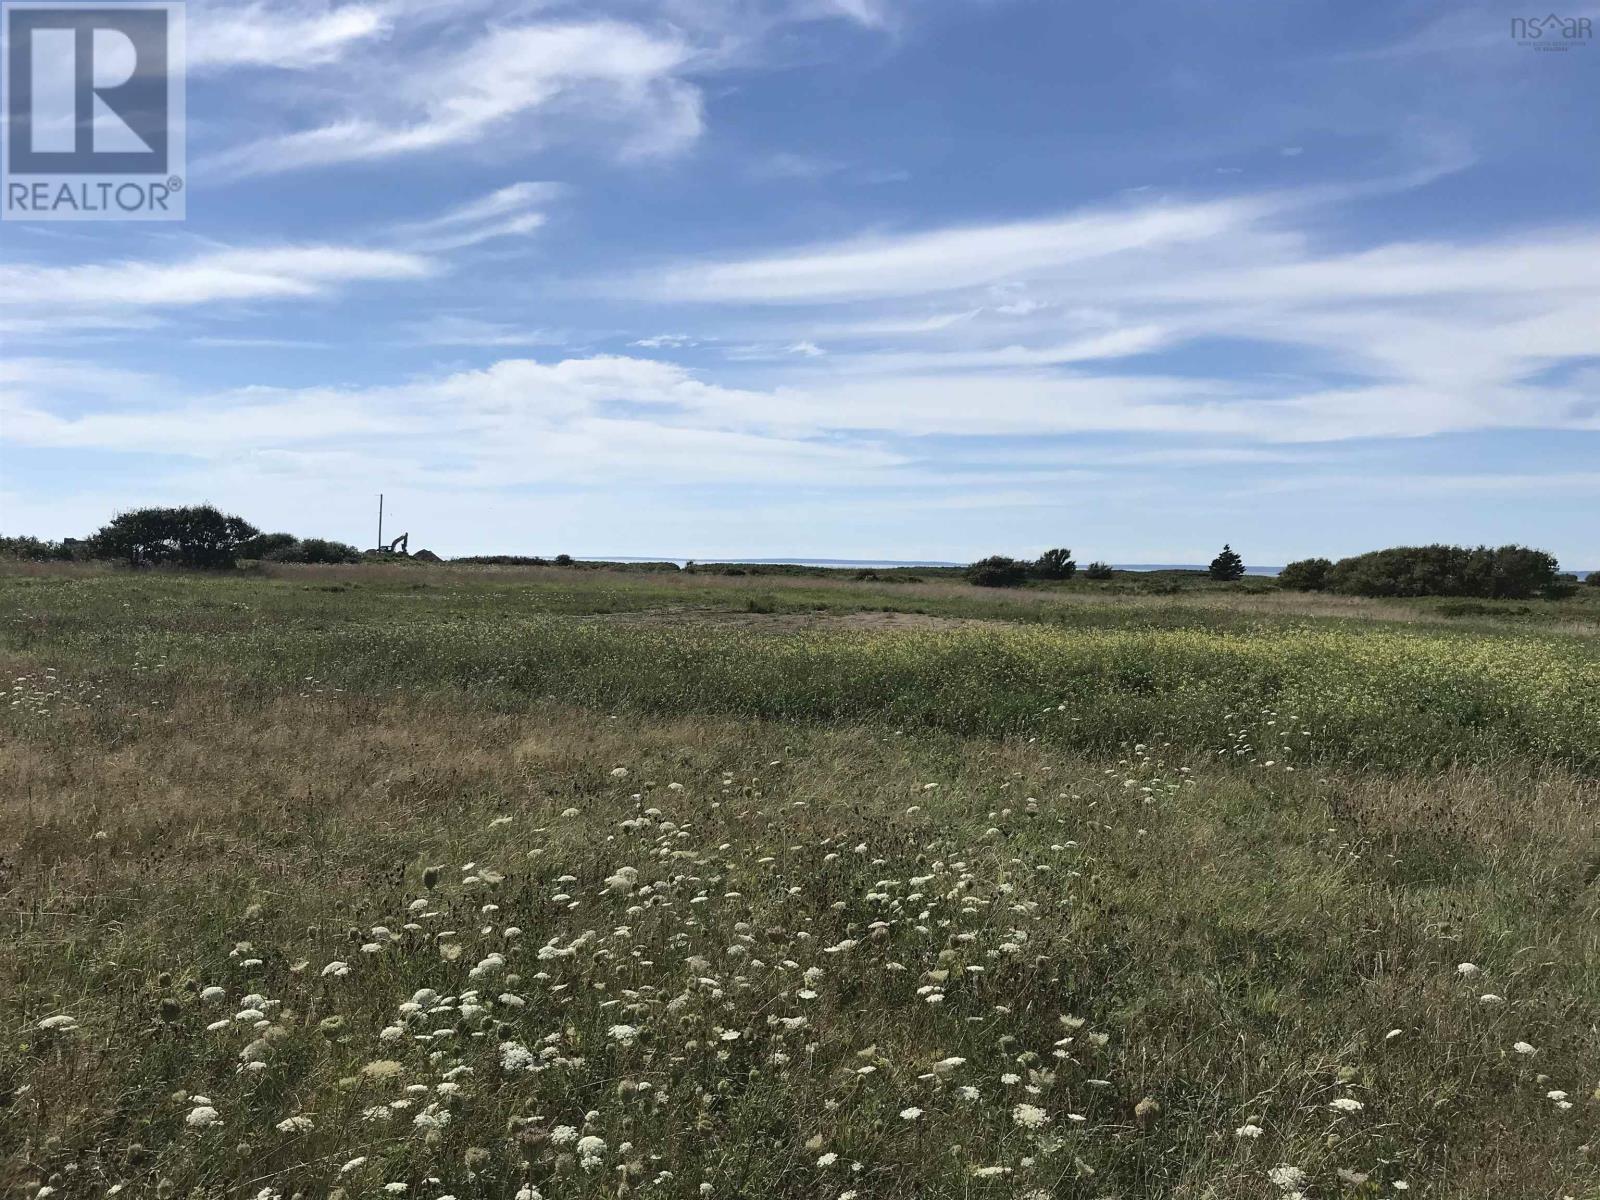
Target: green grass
(1240, 847)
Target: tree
(997, 571)
(1055, 564)
(1098, 570)
(1306, 575)
(1227, 566)
(1592, 579)
(198, 536)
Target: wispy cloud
(947, 259)
(606, 73)
(292, 36)
(222, 275)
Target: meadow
(435, 882)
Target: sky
(903, 279)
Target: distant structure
(400, 545)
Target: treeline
(199, 537)
(1057, 565)
(1481, 572)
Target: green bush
(1503, 573)
(1306, 574)
(32, 549)
(1098, 570)
(321, 550)
(1055, 564)
(997, 571)
(263, 545)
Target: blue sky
(848, 278)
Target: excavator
(401, 545)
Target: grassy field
(518, 883)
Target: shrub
(321, 550)
(1098, 570)
(264, 544)
(1227, 566)
(997, 571)
(1503, 573)
(1563, 587)
(1592, 579)
(1306, 574)
(34, 549)
(198, 536)
(1055, 564)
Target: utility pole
(380, 521)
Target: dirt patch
(791, 622)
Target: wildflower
(337, 969)
(1345, 1104)
(353, 1165)
(1287, 1178)
(1524, 1048)
(212, 993)
(563, 1135)
(294, 1125)
(828, 1159)
(382, 1068)
(910, 1114)
(514, 1056)
(1468, 970)
(626, 1035)
(202, 1116)
(1248, 1131)
(60, 1022)
(1030, 1116)
(947, 1065)
(591, 1151)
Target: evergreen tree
(1227, 566)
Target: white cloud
(515, 422)
(447, 329)
(578, 76)
(948, 259)
(290, 37)
(268, 273)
